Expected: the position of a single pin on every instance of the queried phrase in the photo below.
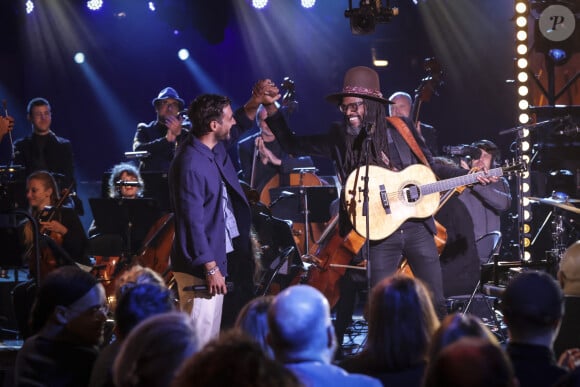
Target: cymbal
(557, 203)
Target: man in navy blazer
(212, 214)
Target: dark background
(98, 104)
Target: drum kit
(563, 223)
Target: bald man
(302, 337)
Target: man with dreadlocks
(364, 115)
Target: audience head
(533, 305)
(401, 104)
(139, 301)
(39, 114)
(233, 359)
(154, 350)
(401, 320)
(470, 362)
(300, 325)
(569, 272)
(253, 320)
(204, 110)
(71, 304)
(125, 173)
(41, 190)
(454, 327)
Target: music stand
(292, 206)
(130, 218)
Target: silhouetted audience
(154, 350)
(302, 337)
(401, 321)
(253, 321)
(533, 306)
(471, 362)
(136, 302)
(454, 327)
(70, 312)
(233, 359)
(569, 278)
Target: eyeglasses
(350, 106)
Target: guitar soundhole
(411, 193)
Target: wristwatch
(213, 270)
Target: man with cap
(569, 279)
(160, 137)
(364, 117)
(533, 306)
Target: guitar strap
(404, 131)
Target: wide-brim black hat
(360, 82)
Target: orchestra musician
(62, 240)
(160, 137)
(124, 183)
(43, 150)
(261, 157)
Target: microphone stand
(365, 209)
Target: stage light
(521, 35)
(259, 4)
(183, 54)
(523, 90)
(522, 63)
(308, 3)
(79, 58)
(522, 49)
(524, 118)
(557, 55)
(151, 6)
(523, 78)
(94, 5)
(29, 7)
(370, 12)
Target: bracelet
(213, 270)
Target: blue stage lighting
(29, 7)
(183, 54)
(152, 6)
(308, 3)
(79, 57)
(94, 5)
(259, 4)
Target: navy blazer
(195, 182)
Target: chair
(488, 246)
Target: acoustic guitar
(395, 197)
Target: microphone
(569, 130)
(462, 150)
(124, 183)
(367, 128)
(283, 195)
(203, 288)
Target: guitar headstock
(519, 166)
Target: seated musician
(124, 183)
(261, 157)
(62, 241)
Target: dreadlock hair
(376, 116)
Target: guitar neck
(454, 182)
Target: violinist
(61, 224)
(160, 137)
(62, 241)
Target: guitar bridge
(384, 198)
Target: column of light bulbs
(524, 150)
